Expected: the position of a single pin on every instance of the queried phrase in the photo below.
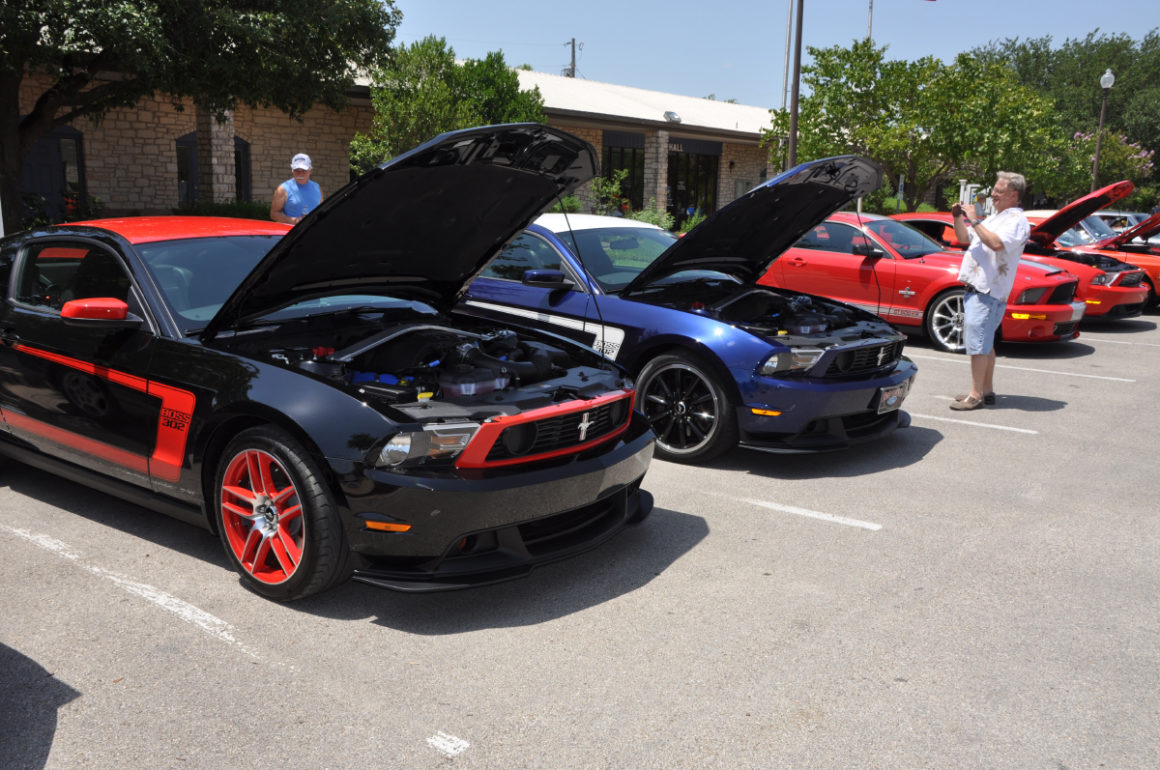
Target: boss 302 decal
(172, 423)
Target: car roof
(150, 229)
(853, 217)
(559, 223)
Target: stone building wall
(742, 167)
(130, 155)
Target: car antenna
(591, 289)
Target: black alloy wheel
(689, 411)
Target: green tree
(103, 54)
(1069, 76)
(927, 121)
(423, 92)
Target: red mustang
(1089, 237)
(1108, 286)
(904, 276)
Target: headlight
(434, 442)
(1031, 296)
(1104, 279)
(791, 361)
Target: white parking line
(814, 514)
(976, 424)
(448, 745)
(1122, 342)
(211, 624)
(965, 360)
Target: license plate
(1077, 309)
(890, 399)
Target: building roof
(607, 103)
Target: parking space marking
(967, 361)
(813, 514)
(1122, 342)
(211, 624)
(974, 423)
(448, 745)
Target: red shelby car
(1088, 236)
(1109, 287)
(891, 269)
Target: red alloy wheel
(262, 516)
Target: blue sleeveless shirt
(301, 199)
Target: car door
(825, 262)
(76, 389)
(500, 292)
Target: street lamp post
(1107, 80)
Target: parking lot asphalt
(979, 590)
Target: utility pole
(570, 71)
(797, 77)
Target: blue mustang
(719, 360)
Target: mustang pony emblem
(585, 424)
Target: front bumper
(1115, 301)
(822, 415)
(1042, 323)
(487, 527)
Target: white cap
(301, 160)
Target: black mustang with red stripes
(308, 393)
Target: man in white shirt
(988, 274)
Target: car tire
(1151, 300)
(690, 412)
(944, 321)
(277, 519)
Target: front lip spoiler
(829, 443)
(638, 506)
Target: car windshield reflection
(616, 255)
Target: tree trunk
(10, 155)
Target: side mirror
(108, 311)
(547, 279)
(869, 250)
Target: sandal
(988, 398)
(967, 404)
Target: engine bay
(788, 317)
(434, 370)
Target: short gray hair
(1015, 182)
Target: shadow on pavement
(32, 697)
(904, 447)
(628, 562)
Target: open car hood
(421, 225)
(1046, 232)
(1144, 231)
(743, 238)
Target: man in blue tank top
(296, 197)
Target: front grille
(1065, 330)
(553, 434)
(865, 359)
(1063, 294)
(1131, 279)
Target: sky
(736, 49)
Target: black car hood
(743, 238)
(1144, 231)
(1046, 232)
(421, 225)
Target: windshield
(615, 255)
(906, 240)
(1098, 228)
(1076, 236)
(197, 275)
